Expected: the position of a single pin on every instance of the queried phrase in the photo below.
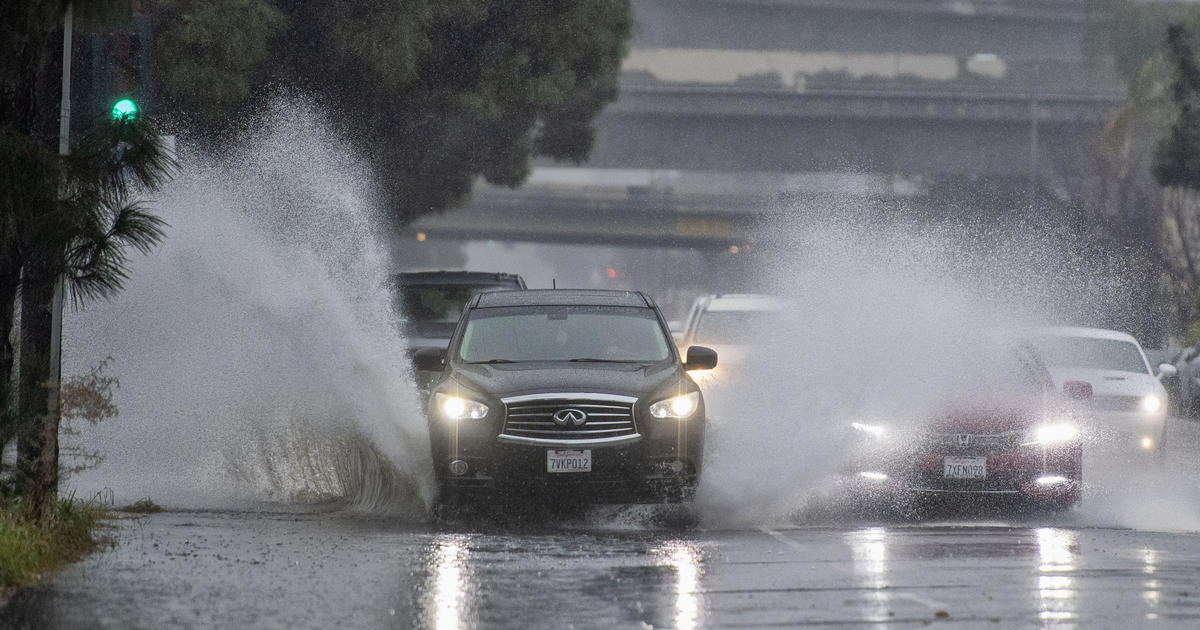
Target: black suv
(575, 389)
(433, 301)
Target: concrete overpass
(930, 131)
(1042, 29)
(772, 91)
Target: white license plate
(568, 461)
(964, 467)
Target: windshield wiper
(591, 360)
(491, 361)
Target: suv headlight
(456, 408)
(1052, 433)
(1151, 403)
(678, 407)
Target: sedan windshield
(563, 333)
(733, 327)
(1091, 353)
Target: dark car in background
(432, 302)
(581, 390)
(1008, 433)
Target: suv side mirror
(429, 359)
(700, 358)
(1166, 370)
(1077, 390)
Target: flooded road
(282, 570)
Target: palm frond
(97, 260)
(118, 156)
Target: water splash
(889, 318)
(258, 354)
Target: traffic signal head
(124, 108)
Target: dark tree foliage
(209, 54)
(74, 217)
(1131, 31)
(435, 92)
(1177, 155)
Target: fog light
(1051, 480)
(1147, 443)
(873, 476)
(458, 467)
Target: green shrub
(29, 549)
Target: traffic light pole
(64, 149)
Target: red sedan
(1013, 438)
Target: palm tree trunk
(8, 413)
(37, 449)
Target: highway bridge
(788, 98)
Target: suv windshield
(1091, 353)
(563, 333)
(433, 310)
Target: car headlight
(874, 430)
(455, 408)
(704, 377)
(1151, 403)
(1052, 433)
(678, 407)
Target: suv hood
(627, 379)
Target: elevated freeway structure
(802, 100)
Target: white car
(732, 324)
(1128, 405)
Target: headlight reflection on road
(1152, 594)
(869, 548)
(1056, 584)
(449, 583)
(685, 558)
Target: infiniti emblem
(569, 418)
(964, 439)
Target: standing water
(257, 350)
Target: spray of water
(257, 350)
(259, 358)
(889, 319)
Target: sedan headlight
(874, 430)
(678, 407)
(704, 377)
(1151, 403)
(455, 408)
(1052, 433)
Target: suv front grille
(530, 419)
(975, 443)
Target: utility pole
(64, 149)
(1033, 137)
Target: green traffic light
(124, 108)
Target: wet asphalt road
(280, 570)
(645, 568)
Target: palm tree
(76, 217)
